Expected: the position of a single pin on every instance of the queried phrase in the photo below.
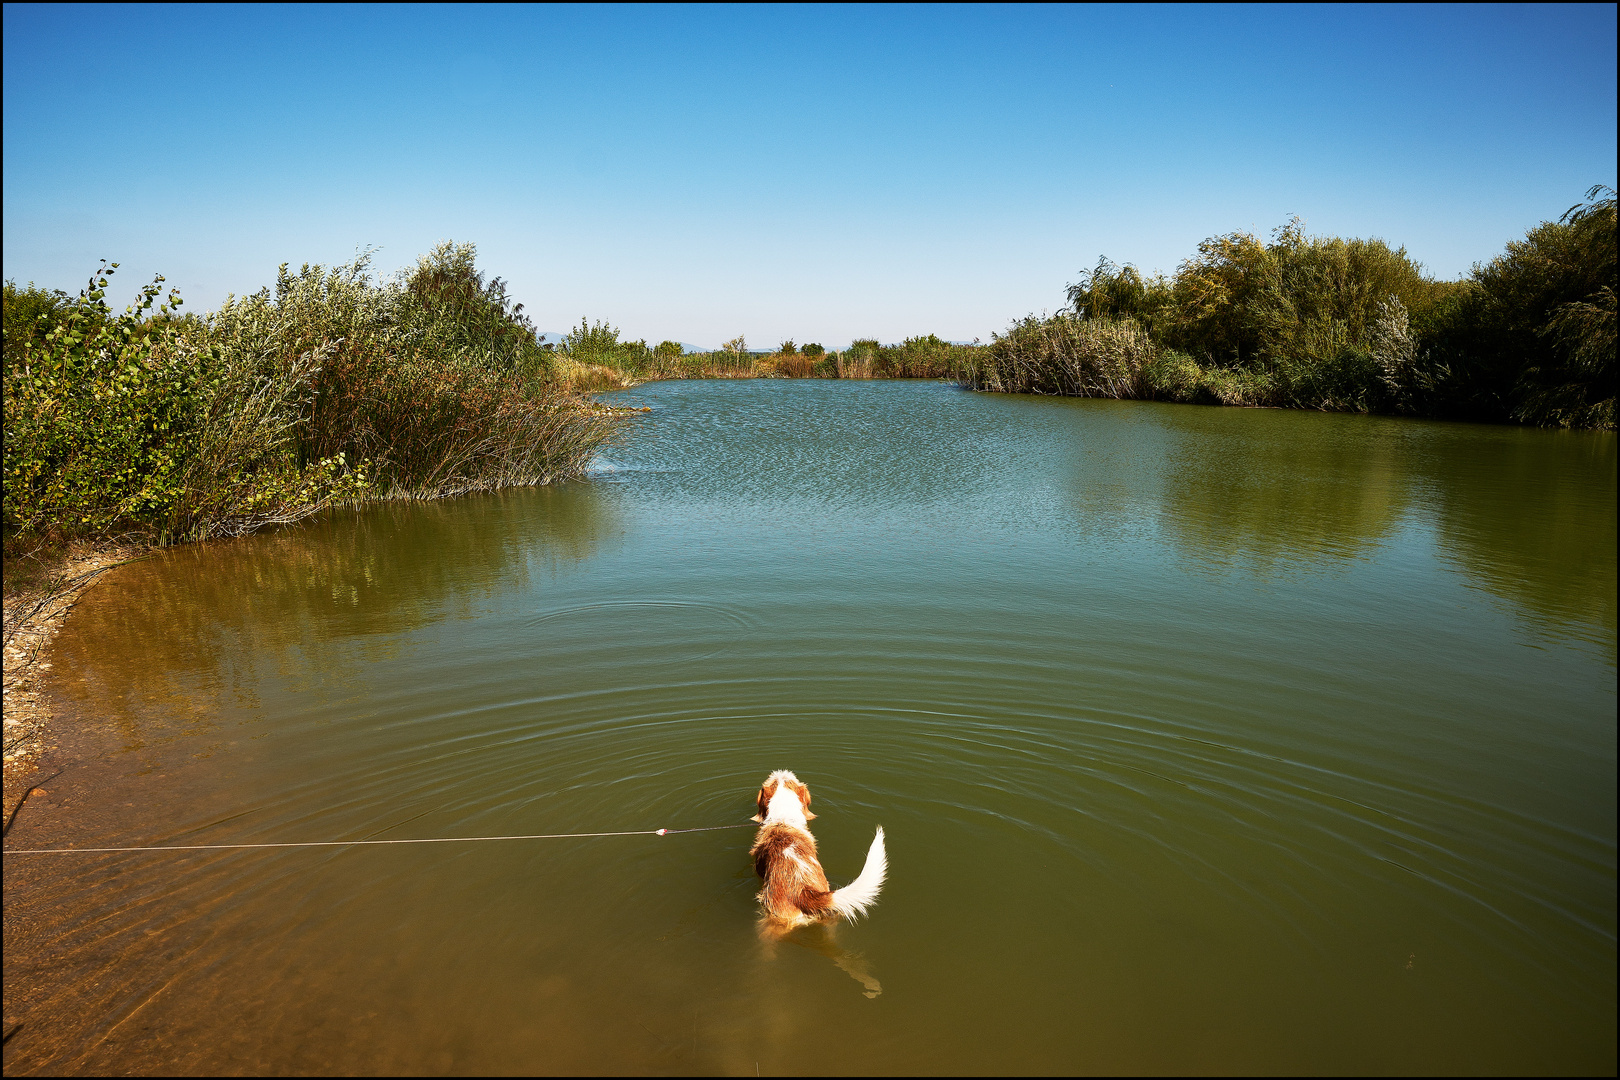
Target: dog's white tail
(853, 899)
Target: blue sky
(819, 173)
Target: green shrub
(1115, 292)
(334, 386)
(1299, 299)
(31, 313)
(925, 357)
(593, 343)
(1349, 325)
(454, 310)
(119, 423)
(1347, 379)
(442, 389)
(1533, 338)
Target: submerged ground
(1205, 740)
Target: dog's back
(784, 853)
(796, 888)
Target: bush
(1114, 292)
(32, 313)
(925, 357)
(1348, 325)
(1533, 338)
(332, 387)
(1236, 386)
(121, 423)
(1298, 300)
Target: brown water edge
(85, 786)
(34, 614)
(87, 970)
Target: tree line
(1352, 325)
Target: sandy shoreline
(33, 618)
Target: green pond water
(1205, 740)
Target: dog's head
(784, 790)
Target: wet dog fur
(796, 891)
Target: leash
(362, 843)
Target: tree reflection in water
(1526, 515)
(172, 644)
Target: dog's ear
(764, 800)
(804, 799)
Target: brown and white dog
(796, 891)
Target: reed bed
(593, 358)
(1069, 356)
(797, 366)
(852, 366)
(333, 387)
(720, 364)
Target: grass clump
(1101, 357)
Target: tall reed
(1066, 355)
(332, 387)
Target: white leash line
(359, 843)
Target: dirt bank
(34, 614)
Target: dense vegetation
(336, 386)
(331, 386)
(1348, 325)
(593, 358)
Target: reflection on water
(1284, 486)
(1530, 516)
(195, 625)
(1527, 515)
(1205, 741)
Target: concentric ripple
(1204, 740)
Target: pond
(1205, 740)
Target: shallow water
(1205, 740)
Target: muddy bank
(63, 931)
(33, 617)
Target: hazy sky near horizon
(819, 173)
